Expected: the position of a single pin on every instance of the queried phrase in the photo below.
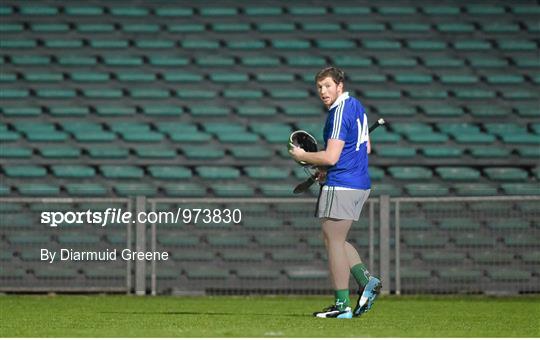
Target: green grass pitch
(256, 316)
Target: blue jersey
(347, 121)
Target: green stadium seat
(229, 77)
(128, 11)
(169, 172)
(250, 152)
(413, 78)
(307, 10)
(425, 240)
(335, 44)
(522, 240)
(380, 44)
(183, 77)
(174, 11)
(520, 94)
(43, 77)
(149, 93)
(73, 171)
(77, 238)
(455, 27)
(276, 190)
(443, 62)
(382, 94)
(7, 94)
(135, 77)
(246, 44)
(260, 61)
(459, 223)
(244, 256)
(154, 153)
(162, 110)
(442, 110)
(21, 111)
(17, 43)
(476, 138)
(487, 111)
(290, 44)
(306, 273)
(528, 152)
(230, 27)
(218, 11)
(396, 10)
(90, 93)
(475, 189)
(193, 255)
(85, 189)
(426, 189)
(439, 257)
(242, 94)
(84, 10)
(167, 61)
(66, 44)
(255, 110)
(458, 78)
(251, 222)
(428, 94)
(508, 224)
(26, 171)
(233, 190)
(276, 27)
(367, 78)
(378, 189)
(521, 188)
(196, 94)
(50, 28)
(266, 173)
(488, 257)
(203, 152)
(121, 171)
(77, 61)
(135, 189)
(263, 11)
(184, 190)
(474, 240)
(426, 45)
(38, 189)
(178, 239)
(15, 152)
(472, 45)
(140, 28)
(207, 273)
(509, 275)
(115, 110)
(504, 79)
(506, 174)
(415, 223)
(517, 45)
(365, 27)
(458, 174)
(459, 274)
(107, 152)
(154, 44)
(319, 27)
(410, 172)
(395, 151)
(306, 61)
(90, 76)
(396, 110)
(531, 257)
(217, 172)
(120, 60)
(410, 27)
(94, 28)
(228, 240)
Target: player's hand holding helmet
(303, 140)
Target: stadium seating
(166, 100)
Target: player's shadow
(209, 313)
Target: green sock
(361, 274)
(342, 298)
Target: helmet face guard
(303, 140)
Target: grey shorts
(341, 203)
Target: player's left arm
(328, 157)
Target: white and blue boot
(368, 296)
